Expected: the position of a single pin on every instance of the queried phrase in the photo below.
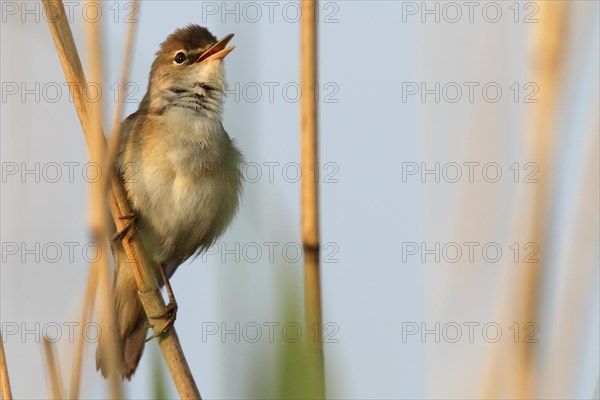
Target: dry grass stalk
(309, 199)
(53, 371)
(108, 161)
(115, 132)
(4, 380)
(98, 225)
(88, 303)
(548, 47)
(548, 43)
(150, 295)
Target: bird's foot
(119, 235)
(169, 314)
(170, 311)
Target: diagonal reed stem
(149, 292)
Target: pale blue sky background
(367, 51)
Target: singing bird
(180, 170)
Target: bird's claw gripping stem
(120, 234)
(170, 311)
(169, 314)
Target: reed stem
(4, 380)
(309, 194)
(53, 371)
(150, 296)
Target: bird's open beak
(217, 51)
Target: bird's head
(188, 70)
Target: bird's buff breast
(185, 190)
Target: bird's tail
(131, 328)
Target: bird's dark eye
(180, 57)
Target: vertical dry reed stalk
(548, 47)
(309, 192)
(98, 225)
(108, 161)
(86, 312)
(53, 371)
(150, 296)
(115, 132)
(548, 42)
(4, 380)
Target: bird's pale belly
(181, 212)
